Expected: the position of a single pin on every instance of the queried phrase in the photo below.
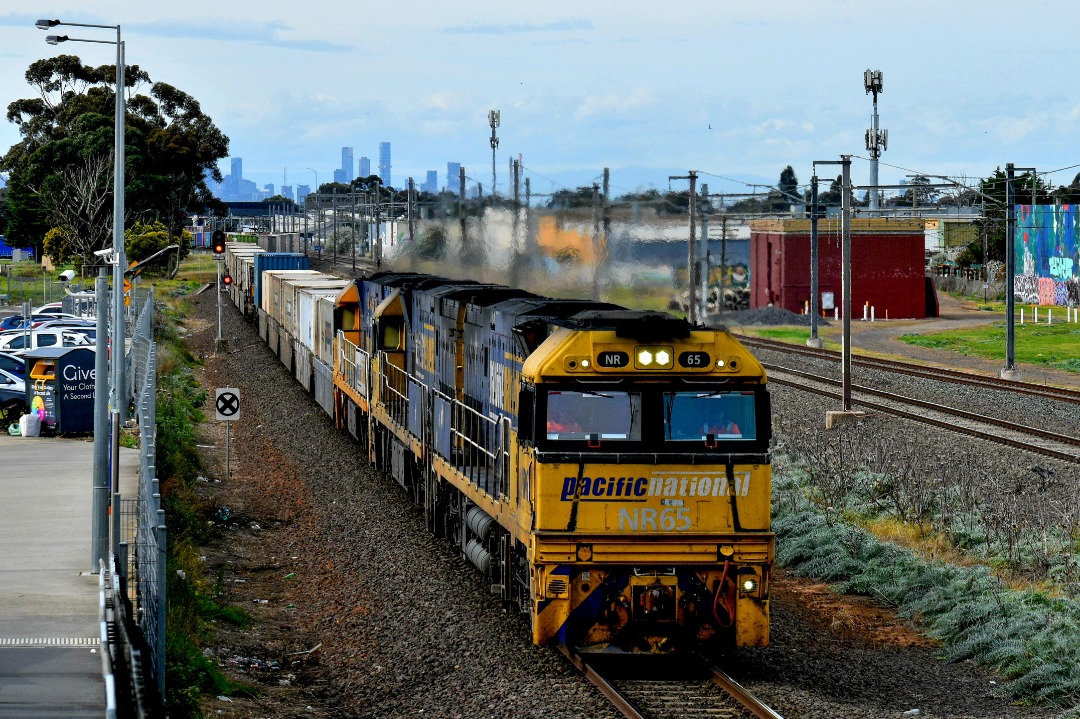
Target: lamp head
(55, 39)
(46, 24)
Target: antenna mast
(877, 140)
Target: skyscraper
(453, 172)
(347, 164)
(237, 168)
(365, 167)
(384, 163)
(432, 183)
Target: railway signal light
(219, 242)
(227, 279)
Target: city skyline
(735, 91)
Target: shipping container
(275, 261)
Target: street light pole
(118, 340)
(102, 478)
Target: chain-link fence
(140, 523)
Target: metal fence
(139, 527)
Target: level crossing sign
(228, 403)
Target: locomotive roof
(642, 325)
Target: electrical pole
(814, 340)
(516, 255)
(877, 141)
(691, 249)
(703, 254)
(412, 218)
(596, 241)
(493, 120)
(1009, 371)
(465, 250)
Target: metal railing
(479, 445)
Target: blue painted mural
(1047, 253)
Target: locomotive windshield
(653, 419)
(593, 415)
(694, 416)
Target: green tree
(789, 186)
(61, 172)
(290, 205)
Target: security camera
(67, 275)
(104, 253)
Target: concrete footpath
(50, 663)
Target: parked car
(37, 319)
(53, 308)
(17, 342)
(11, 322)
(12, 398)
(71, 322)
(13, 365)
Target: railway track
(991, 429)
(939, 374)
(704, 690)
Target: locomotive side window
(696, 416)
(593, 416)
(390, 333)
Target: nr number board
(694, 360)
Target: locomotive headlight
(720, 364)
(749, 585)
(585, 364)
(654, 358)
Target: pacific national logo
(599, 489)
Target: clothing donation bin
(63, 377)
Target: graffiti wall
(1047, 253)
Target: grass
(1027, 636)
(193, 599)
(1054, 346)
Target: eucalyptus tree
(60, 174)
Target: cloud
(614, 103)
(774, 124)
(266, 33)
(442, 101)
(520, 28)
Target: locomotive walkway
(50, 661)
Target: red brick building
(887, 266)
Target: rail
(797, 379)
(692, 693)
(942, 374)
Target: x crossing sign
(228, 403)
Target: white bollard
(871, 313)
(835, 313)
(1049, 317)
(1035, 311)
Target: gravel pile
(408, 629)
(761, 316)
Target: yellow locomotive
(607, 470)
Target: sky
(732, 89)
